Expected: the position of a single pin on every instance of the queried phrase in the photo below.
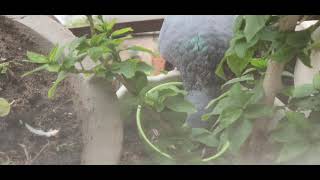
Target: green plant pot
(159, 153)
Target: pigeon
(195, 45)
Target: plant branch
(129, 87)
(90, 19)
(272, 84)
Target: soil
(32, 106)
(133, 150)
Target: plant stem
(272, 84)
(129, 87)
(82, 67)
(83, 71)
(90, 19)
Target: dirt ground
(31, 106)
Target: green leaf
(205, 137)
(298, 39)
(249, 71)
(222, 150)
(40, 68)
(219, 71)
(37, 58)
(95, 53)
(239, 97)
(53, 67)
(179, 104)
(169, 115)
(212, 102)
(127, 68)
(61, 76)
(241, 48)
(121, 32)
(239, 134)
(236, 64)
(236, 99)
(254, 23)
(118, 41)
(307, 103)
(69, 62)
(224, 103)
(4, 67)
(130, 66)
(305, 59)
(303, 90)
(259, 63)
(258, 94)
(4, 107)
(170, 91)
(144, 67)
(316, 81)
(99, 27)
(298, 118)
(152, 100)
(255, 111)
(284, 54)
(268, 34)
(140, 48)
(111, 24)
(97, 39)
(293, 150)
(238, 24)
(239, 79)
(238, 36)
(195, 132)
(139, 81)
(157, 98)
(73, 45)
(55, 53)
(206, 117)
(83, 45)
(100, 18)
(227, 118)
(287, 133)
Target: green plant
(4, 67)
(298, 131)
(262, 46)
(176, 142)
(103, 47)
(4, 107)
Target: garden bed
(32, 106)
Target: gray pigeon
(195, 44)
